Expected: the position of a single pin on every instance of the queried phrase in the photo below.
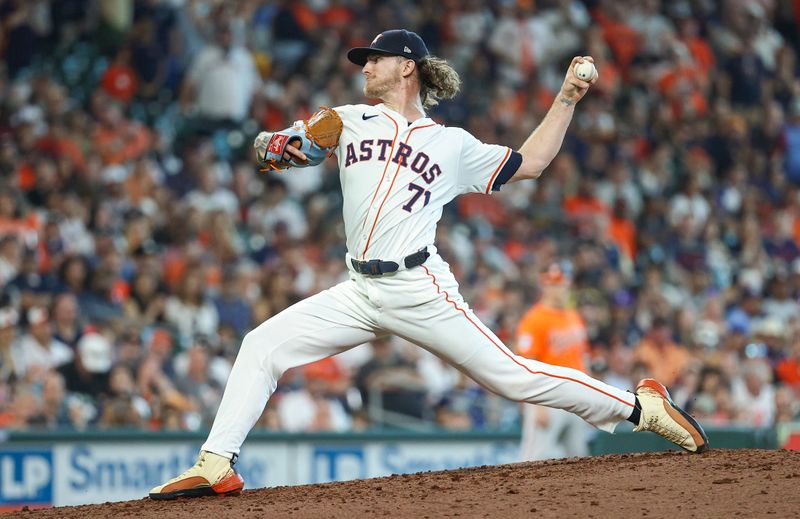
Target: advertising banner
(92, 473)
(72, 473)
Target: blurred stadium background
(138, 241)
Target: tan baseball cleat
(212, 475)
(660, 415)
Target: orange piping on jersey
(385, 167)
(505, 352)
(494, 175)
(364, 254)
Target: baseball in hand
(585, 71)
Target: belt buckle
(373, 267)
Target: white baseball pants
(421, 305)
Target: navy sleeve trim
(509, 168)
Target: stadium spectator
(232, 305)
(791, 143)
(555, 334)
(89, 370)
(208, 86)
(390, 386)
(209, 195)
(312, 407)
(22, 29)
(619, 362)
(8, 333)
(116, 139)
(189, 309)
(753, 396)
(197, 384)
(54, 403)
(663, 357)
(712, 400)
(102, 302)
(275, 208)
(788, 368)
(38, 347)
(10, 258)
(147, 300)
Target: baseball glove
(315, 137)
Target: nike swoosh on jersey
(365, 116)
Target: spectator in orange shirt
(683, 84)
(553, 333)
(623, 39)
(621, 230)
(788, 369)
(689, 35)
(664, 358)
(584, 206)
(117, 139)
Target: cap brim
(359, 55)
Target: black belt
(379, 268)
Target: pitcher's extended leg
(442, 323)
(322, 325)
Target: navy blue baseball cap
(397, 42)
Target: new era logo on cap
(397, 42)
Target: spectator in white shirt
(210, 196)
(10, 258)
(689, 203)
(754, 395)
(276, 207)
(37, 347)
(190, 310)
(619, 184)
(779, 303)
(312, 409)
(221, 80)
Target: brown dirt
(718, 483)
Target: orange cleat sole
(230, 486)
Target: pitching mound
(719, 483)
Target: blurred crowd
(139, 242)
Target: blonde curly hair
(438, 80)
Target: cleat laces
(198, 464)
(671, 434)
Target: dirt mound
(719, 483)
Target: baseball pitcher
(398, 168)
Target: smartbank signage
(86, 473)
(76, 473)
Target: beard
(377, 89)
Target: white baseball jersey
(396, 177)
